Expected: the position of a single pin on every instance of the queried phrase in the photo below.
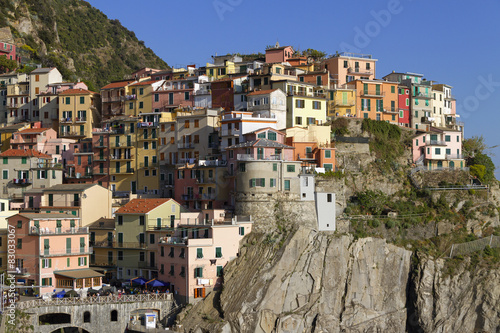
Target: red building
(278, 54)
(173, 94)
(404, 106)
(8, 50)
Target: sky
(451, 42)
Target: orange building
(376, 99)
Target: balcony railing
(361, 71)
(202, 92)
(391, 110)
(66, 120)
(66, 252)
(21, 181)
(421, 94)
(185, 145)
(227, 132)
(454, 156)
(372, 93)
(205, 180)
(128, 170)
(81, 119)
(435, 143)
(57, 231)
(250, 157)
(122, 157)
(348, 102)
(306, 156)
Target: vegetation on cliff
(77, 39)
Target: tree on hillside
(473, 146)
(7, 65)
(481, 164)
(315, 54)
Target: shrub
(389, 224)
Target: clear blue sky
(452, 42)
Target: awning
(79, 273)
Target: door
(82, 244)
(110, 239)
(158, 222)
(133, 187)
(51, 200)
(120, 238)
(68, 245)
(344, 98)
(377, 90)
(452, 165)
(172, 221)
(260, 153)
(152, 261)
(46, 247)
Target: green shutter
(369, 104)
(199, 253)
(218, 252)
(50, 263)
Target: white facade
(306, 187)
(5, 213)
(236, 124)
(325, 210)
(269, 105)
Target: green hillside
(76, 38)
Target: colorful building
(52, 251)
(114, 97)
(404, 106)
(32, 138)
(78, 113)
(346, 67)
(439, 148)
(193, 257)
(279, 53)
(313, 146)
(342, 103)
(136, 240)
(268, 104)
(102, 237)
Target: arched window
(86, 317)
(114, 315)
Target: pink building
(192, 260)
(439, 148)
(173, 94)
(279, 54)
(32, 138)
(52, 252)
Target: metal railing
(435, 143)
(473, 246)
(58, 231)
(251, 157)
(66, 252)
(358, 70)
(372, 93)
(94, 300)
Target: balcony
(121, 144)
(123, 172)
(66, 120)
(100, 172)
(121, 157)
(188, 196)
(130, 245)
(87, 151)
(348, 102)
(230, 132)
(128, 98)
(79, 175)
(100, 144)
(106, 243)
(21, 181)
(185, 145)
(391, 110)
(81, 119)
(373, 93)
(111, 99)
(99, 158)
(148, 165)
(306, 156)
(420, 94)
(72, 134)
(57, 231)
(147, 124)
(147, 265)
(454, 156)
(427, 120)
(359, 71)
(66, 252)
(205, 181)
(250, 157)
(435, 143)
(202, 92)
(21, 271)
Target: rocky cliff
(319, 282)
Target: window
(142, 256)
(328, 153)
(299, 103)
(198, 272)
(131, 105)
(23, 160)
(447, 138)
(393, 89)
(448, 151)
(141, 91)
(218, 252)
(19, 243)
(241, 231)
(316, 105)
(199, 253)
(141, 220)
(114, 313)
(151, 238)
(290, 168)
(120, 219)
(141, 105)
(242, 167)
(437, 151)
(186, 123)
(68, 100)
(287, 185)
(458, 138)
(345, 64)
(298, 120)
(5, 174)
(328, 167)
(272, 182)
(275, 166)
(186, 96)
(82, 100)
(5, 160)
(329, 197)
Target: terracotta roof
(33, 130)
(76, 92)
(262, 92)
(117, 84)
(23, 153)
(140, 206)
(144, 83)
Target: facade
(52, 252)
(6, 133)
(404, 106)
(305, 104)
(103, 259)
(88, 202)
(136, 237)
(347, 67)
(268, 104)
(192, 259)
(279, 53)
(26, 169)
(376, 99)
(78, 113)
(342, 103)
(170, 95)
(8, 51)
(114, 97)
(439, 148)
(313, 146)
(32, 138)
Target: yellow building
(6, 134)
(134, 154)
(102, 236)
(139, 225)
(342, 103)
(78, 113)
(139, 97)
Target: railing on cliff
(473, 246)
(94, 300)
(419, 186)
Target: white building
(268, 104)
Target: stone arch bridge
(108, 314)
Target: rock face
(318, 282)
